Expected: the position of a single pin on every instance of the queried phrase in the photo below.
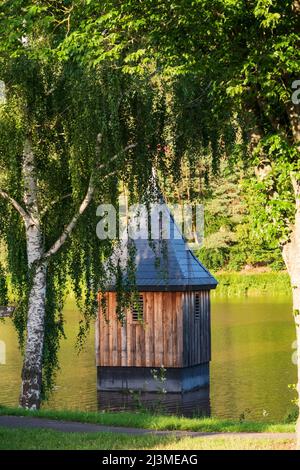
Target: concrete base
(190, 404)
(178, 380)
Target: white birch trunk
(30, 396)
(291, 252)
(291, 255)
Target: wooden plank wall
(196, 332)
(155, 342)
(170, 335)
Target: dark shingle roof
(169, 264)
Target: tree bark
(31, 387)
(296, 6)
(291, 252)
(291, 255)
(30, 396)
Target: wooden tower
(174, 331)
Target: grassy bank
(235, 284)
(156, 422)
(41, 439)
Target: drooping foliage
(84, 125)
(242, 57)
(176, 79)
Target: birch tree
(68, 135)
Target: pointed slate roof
(169, 264)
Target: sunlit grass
(42, 439)
(228, 443)
(236, 284)
(153, 421)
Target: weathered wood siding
(196, 332)
(169, 334)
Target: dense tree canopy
(239, 60)
(168, 80)
(83, 132)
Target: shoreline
(157, 422)
(252, 284)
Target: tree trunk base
(30, 397)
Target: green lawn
(153, 421)
(42, 439)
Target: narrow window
(197, 307)
(160, 225)
(137, 309)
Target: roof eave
(169, 288)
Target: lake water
(251, 368)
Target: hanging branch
(86, 201)
(70, 227)
(125, 149)
(53, 203)
(26, 217)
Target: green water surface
(251, 368)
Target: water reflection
(190, 404)
(252, 352)
(252, 364)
